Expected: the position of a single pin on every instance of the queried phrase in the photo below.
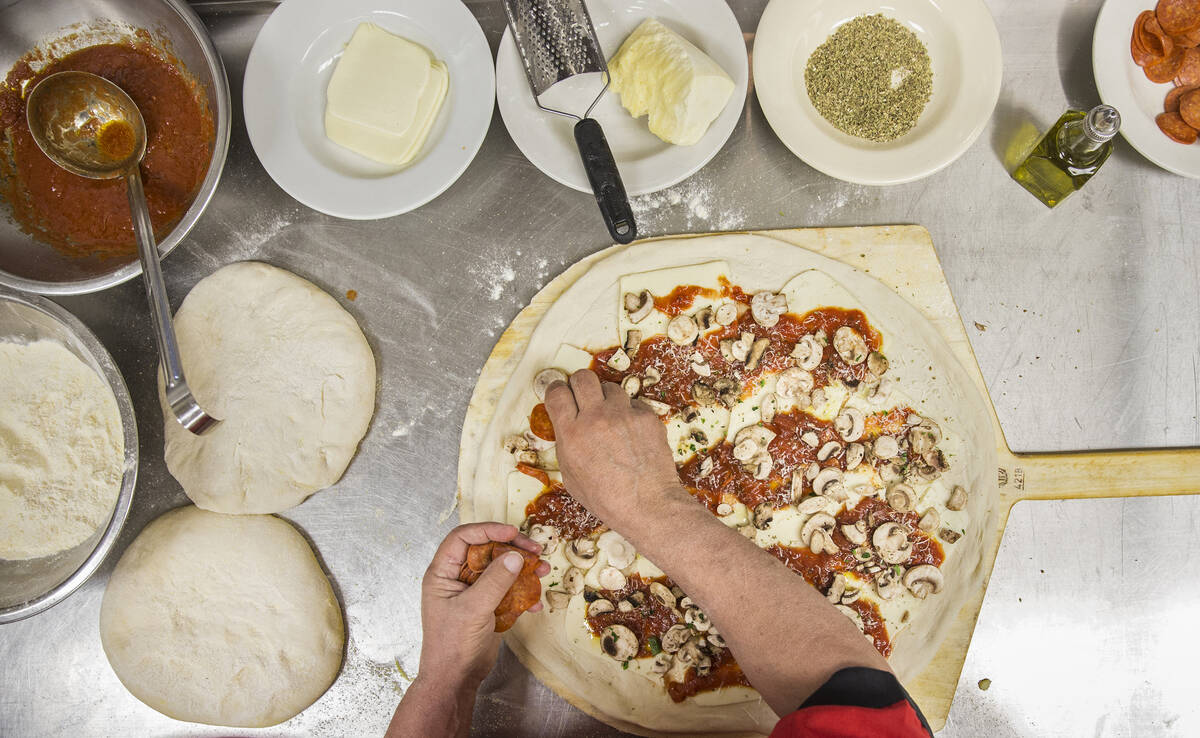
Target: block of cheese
(659, 73)
(384, 95)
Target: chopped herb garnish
(625, 665)
(653, 644)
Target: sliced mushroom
(793, 382)
(547, 535)
(766, 307)
(836, 589)
(697, 618)
(854, 455)
(543, 379)
(924, 437)
(759, 434)
(675, 638)
(557, 600)
(703, 393)
(740, 349)
(808, 353)
(856, 533)
(625, 605)
(827, 476)
(762, 515)
(757, 349)
(706, 467)
(958, 499)
(700, 365)
(818, 398)
(822, 521)
(685, 602)
(699, 437)
(651, 376)
(621, 552)
(887, 584)
(536, 442)
(573, 580)
(633, 339)
(877, 363)
(632, 385)
(726, 313)
(760, 466)
(949, 536)
(638, 306)
(662, 593)
(611, 578)
(797, 485)
(850, 595)
(581, 553)
(727, 351)
(682, 330)
(901, 498)
(913, 419)
(728, 390)
(619, 642)
(724, 509)
(888, 471)
(597, 607)
(619, 361)
(662, 662)
(767, 407)
(850, 345)
(886, 447)
(810, 439)
(811, 471)
(924, 580)
(822, 542)
(880, 391)
(852, 614)
(704, 318)
(661, 409)
(892, 543)
(850, 424)
(930, 520)
(831, 448)
(714, 638)
(703, 665)
(813, 504)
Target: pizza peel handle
(1101, 474)
(605, 180)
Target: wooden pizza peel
(903, 258)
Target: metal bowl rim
(223, 112)
(116, 523)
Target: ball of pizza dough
(222, 619)
(289, 374)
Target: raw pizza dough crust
(222, 619)
(586, 314)
(290, 375)
(62, 450)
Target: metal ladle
(89, 126)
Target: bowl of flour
(68, 454)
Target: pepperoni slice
(539, 423)
(1155, 39)
(1178, 16)
(1165, 69)
(522, 595)
(1189, 71)
(1189, 108)
(1187, 40)
(1171, 102)
(1175, 128)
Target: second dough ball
(289, 374)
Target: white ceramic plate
(646, 162)
(1123, 85)
(964, 50)
(284, 101)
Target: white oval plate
(964, 50)
(646, 162)
(1123, 85)
(284, 102)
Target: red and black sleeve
(857, 702)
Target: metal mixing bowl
(31, 586)
(32, 266)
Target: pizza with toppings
(819, 428)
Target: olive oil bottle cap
(1102, 123)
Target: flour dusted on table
(61, 450)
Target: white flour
(701, 208)
(61, 450)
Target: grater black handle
(606, 183)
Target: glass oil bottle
(1063, 160)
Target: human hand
(459, 644)
(612, 451)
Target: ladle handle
(156, 289)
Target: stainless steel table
(1085, 319)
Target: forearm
(787, 638)
(435, 708)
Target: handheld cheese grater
(556, 40)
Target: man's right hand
(612, 451)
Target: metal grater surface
(555, 40)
